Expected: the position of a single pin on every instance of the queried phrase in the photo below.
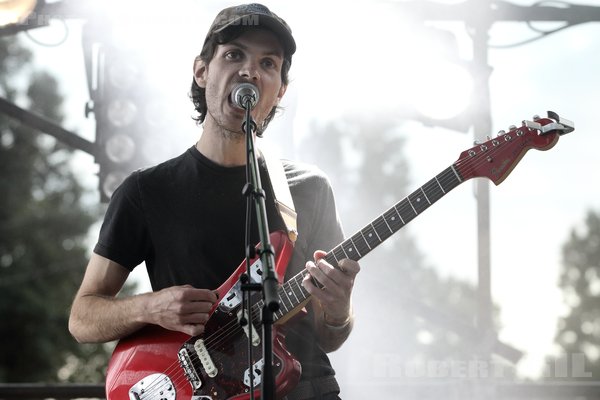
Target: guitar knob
(536, 117)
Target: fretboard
(292, 293)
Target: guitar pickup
(204, 356)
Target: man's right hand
(181, 308)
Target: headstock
(497, 157)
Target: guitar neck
(292, 294)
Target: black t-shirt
(186, 219)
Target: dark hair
(198, 94)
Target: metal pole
(482, 123)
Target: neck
(223, 147)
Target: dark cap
(254, 15)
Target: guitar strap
(283, 198)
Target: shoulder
(165, 169)
(308, 184)
(148, 179)
(299, 173)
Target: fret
(449, 178)
(425, 194)
(456, 173)
(441, 187)
(354, 247)
(360, 243)
(291, 290)
(411, 205)
(393, 220)
(299, 292)
(375, 230)
(406, 210)
(399, 213)
(365, 239)
(371, 237)
(382, 231)
(282, 298)
(388, 225)
(334, 257)
(373, 234)
(350, 250)
(418, 203)
(338, 253)
(343, 250)
(278, 314)
(434, 190)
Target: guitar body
(155, 363)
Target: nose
(250, 70)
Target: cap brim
(270, 23)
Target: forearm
(96, 318)
(332, 333)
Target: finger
(196, 307)
(349, 267)
(335, 278)
(318, 273)
(332, 289)
(192, 330)
(324, 296)
(195, 318)
(201, 295)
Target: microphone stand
(270, 283)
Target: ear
(282, 90)
(200, 72)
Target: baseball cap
(254, 15)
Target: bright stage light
(120, 148)
(15, 11)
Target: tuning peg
(501, 132)
(512, 127)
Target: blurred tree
(416, 311)
(578, 333)
(43, 227)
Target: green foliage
(578, 331)
(43, 228)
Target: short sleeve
(124, 236)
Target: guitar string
(478, 160)
(473, 164)
(403, 206)
(157, 385)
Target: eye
(269, 63)
(233, 55)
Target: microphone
(245, 95)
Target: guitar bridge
(188, 369)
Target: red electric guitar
(155, 363)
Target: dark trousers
(324, 388)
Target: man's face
(255, 57)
